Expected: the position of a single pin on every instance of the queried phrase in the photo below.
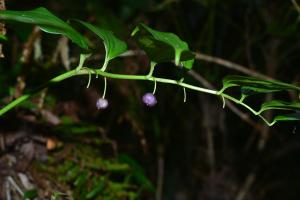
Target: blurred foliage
(83, 170)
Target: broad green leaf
(279, 105)
(250, 90)
(113, 46)
(164, 46)
(47, 22)
(252, 85)
(170, 39)
(157, 51)
(288, 117)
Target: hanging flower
(101, 103)
(149, 99)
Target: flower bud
(149, 99)
(101, 103)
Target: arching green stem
(154, 89)
(152, 66)
(82, 58)
(223, 101)
(104, 66)
(86, 71)
(90, 77)
(104, 90)
(237, 101)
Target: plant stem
(239, 102)
(89, 71)
(152, 65)
(14, 103)
(104, 90)
(104, 66)
(154, 89)
(248, 107)
(85, 71)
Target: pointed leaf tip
(47, 21)
(113, 45)
(164, 46)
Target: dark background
(197, 149)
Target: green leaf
(113, 46)
(250, 90)
(164, 46)
(157, 51)
(288, 117)
(72, 173)
(251, 85)
(137, 172)
(65, 167)
(279, 105)
(81, 179)
(76, 129)
(47, 22)
(98, 188)
(3, 37)
(30, 194)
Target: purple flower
(149, 99)
(101, 103)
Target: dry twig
(296, 5)
(231, 65)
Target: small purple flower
(101, 103)
(149, 99)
